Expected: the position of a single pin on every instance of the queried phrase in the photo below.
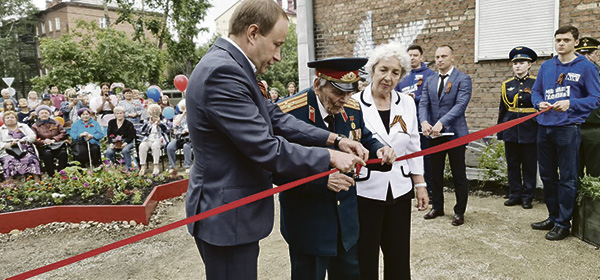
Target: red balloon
(181, 82)
(1, 122)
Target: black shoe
(458, 219)
(512, 202)
(557, 233)
(433, 213)
(527, 205)
(543, 225)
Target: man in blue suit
(239, 138)
(442, 109)
(319, 220)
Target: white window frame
(483, 51)
(49, 26)
(57, 23)
(37, 31)
(43, 25)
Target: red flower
(86, 126)
(111, 136)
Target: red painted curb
(99, 213)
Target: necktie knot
(329, 121)
(441, 87)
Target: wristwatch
(336, 142)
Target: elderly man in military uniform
(519, 141)
(319, 220)
(589, 151)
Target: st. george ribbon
(249, 199)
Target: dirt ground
(496, 242)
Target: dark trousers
(47, 156)
(344, 266)
(84, 157)
(229, 262)
(589, 150)
(386, 226)
(459, 176)
(426, 162)
(558, 155)
(521, 161)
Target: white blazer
(402, 142)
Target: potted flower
(586, 217)
(118, 141)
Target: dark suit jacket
(238, 139)
(450, 108)
(313, 217)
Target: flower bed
(111, 193)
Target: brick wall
(448, 22)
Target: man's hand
(387, 155)
(339, 182)
(354, 147)
(422, 199)
(426, 128)
(344, 162)
(560, 106)
(411, 94)
(543, 105)
(436, 129)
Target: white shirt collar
(240, 49)
(322, 109)
(449, 72)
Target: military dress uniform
(589, 151)
(321, 226)
(519, 141)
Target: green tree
(91, 54)
(17, 44)
(285, 71)
(178, 27)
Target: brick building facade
(437, 22)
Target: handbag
(79, 148)
(56, 145)
(16, 151)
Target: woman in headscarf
(87, 131)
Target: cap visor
(345, 87)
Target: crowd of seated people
(41, 133)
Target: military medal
(344, 115)
(311, 113)
(352, 125)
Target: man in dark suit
(239, 138)
(319, 220)
(443, 103)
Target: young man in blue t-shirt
(569, 84)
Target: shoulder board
(352, 104)
(293, 103)
(508, 80)
(532, 77)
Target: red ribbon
(267, 193)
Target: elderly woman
(120, 136)
(32, 100)
(83, 132)
(12, 135)
(50, 140)
(182, 140)
(133, 107)
(384, 200)
(155, 136)
(104, 111)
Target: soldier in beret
(319, 220)
(519, 141)
(589, 151)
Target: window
(43, 28)
(102, 22)
(49, 26)
(498, 28)
(37, 31)
(57, 23)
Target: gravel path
(496, 242)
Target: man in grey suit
(240, 137)
(443, 103)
